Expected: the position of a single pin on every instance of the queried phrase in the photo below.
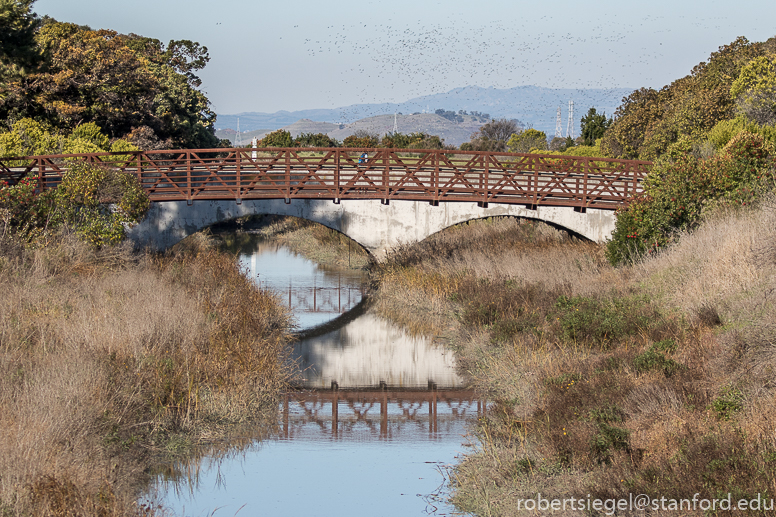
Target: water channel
(375, 415)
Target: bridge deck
(335, 173)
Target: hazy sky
(271, 55)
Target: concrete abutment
(376, 226)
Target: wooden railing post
(189, 196)
(435, 178)
(486, 193)
(337, 175)
(39, 161)
(586, 193)
(238, 159)
(535, 183)
(288, 176)
(386, 175)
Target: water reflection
(369, 351)
(375, 413)
(410, 415)
(315, 294)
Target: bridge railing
(336, 173)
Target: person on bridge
(363, 158)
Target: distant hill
(534, 105)
(454, 133)
(451, 132)
(308, 126)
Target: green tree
(677, 191)
(649, 121)
(17, 37)
(279, 138)
(594, 125)
(755, 91)
(120, 82)
(361, 139)
(524, 141)
(315, 140)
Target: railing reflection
(323, 300)
(377, 413)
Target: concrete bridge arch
(377, 227)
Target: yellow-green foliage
(649, 120)
(726, 130)
(527, 141)
(28, 137)
(99, 202)
(591, 151)
(759, 74)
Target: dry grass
(652, 379)
(107, 357)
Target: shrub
(366, 141)
(100, 202)
(279, 138)
(654, 359)
(315, 140)
(676, 193)
(728, 403)
(96, 202)
(600, 322)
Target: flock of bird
(429, 58)
(391, 61)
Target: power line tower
(570, 124)
(395, 124)
(238, 138)
(558, 125)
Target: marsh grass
(655, 378)
(111, 362)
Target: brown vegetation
(653, 379)
(111, 361)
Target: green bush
(677, 191)
(607, 437)
(362, 142)
(654, 359)
(98, 203)
(730, 401)
(315, 140)
(279, 138)
(599, 322)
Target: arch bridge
(393, 196)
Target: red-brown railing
(335, 173)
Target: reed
(113, 361)
(653, 378)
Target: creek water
(375, 415)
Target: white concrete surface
(375, 226)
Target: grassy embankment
(655, 378)
(112, 363)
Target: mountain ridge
(536, 106)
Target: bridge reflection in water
(385, 414)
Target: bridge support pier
(376, 226)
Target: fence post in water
(285, 416)
(384, 412)
(334, 410)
